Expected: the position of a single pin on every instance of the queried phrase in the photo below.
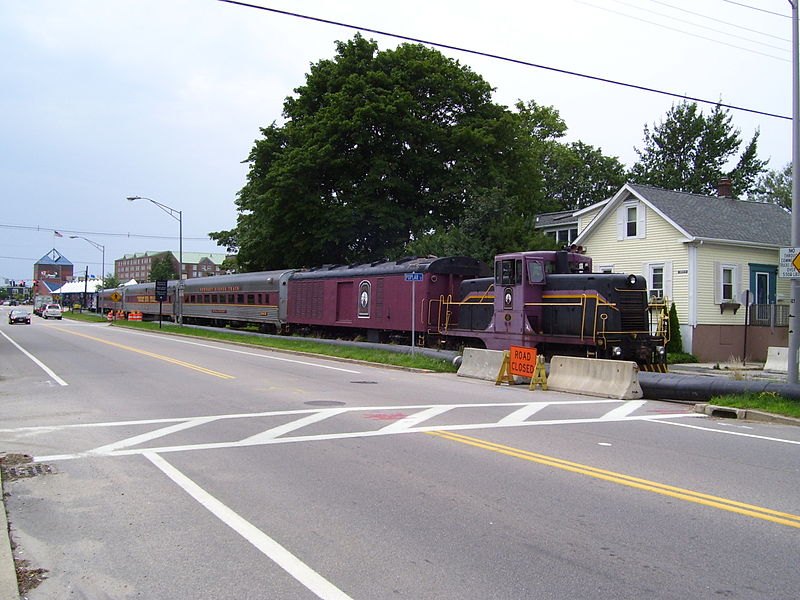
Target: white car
(52, 311)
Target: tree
(775, 187)
(689, 151)
(109, 282)
(675, 343)
(163, 268)
(378, 148)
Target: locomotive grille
(632, 311)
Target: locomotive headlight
(631, 280)
(616, 351)
(661, 350)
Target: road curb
(726, 412)
(8, 573)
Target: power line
(107, 234)
(710, 18)
(697, 35)
(769, 12)
(506, 59)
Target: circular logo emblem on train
(364, 289)
(508, 298)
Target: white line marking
(235, 351)
(521, 415)
(739, 433)
(43, 366)
(624, 410)
(146, 437)
(278, 413)
(271, 434)
(316, 583)
(416, 419)
(360, 434)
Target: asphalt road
(176, 468)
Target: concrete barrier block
(617, 379)
(777, 359)
(482, 364)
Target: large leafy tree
(163, 268)
(690, 151)
(378, 148)
(775, 187)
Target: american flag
(57, 234)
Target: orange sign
(522, 361)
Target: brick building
(195, 264)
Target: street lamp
(178, 216)
(102, 268)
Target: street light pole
(178, 216)
(794, 306)
(103, 253)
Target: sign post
(413, 278)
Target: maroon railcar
(375, 300)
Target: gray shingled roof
(563, 217)
(712, 217)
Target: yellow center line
(741, 508)
(151, 354)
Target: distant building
(51, 272)
(195, 264)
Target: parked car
(52, 311)
(19, 315)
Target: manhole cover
(30, 470)
(324, 403)
(363, 382)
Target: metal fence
(769, 315)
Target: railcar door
(508, 299)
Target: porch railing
(769, 315)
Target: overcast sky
(104, 99)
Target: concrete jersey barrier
(481, 364)
(777, 359)
(595, 376)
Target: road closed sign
(522, 361)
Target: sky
(105, 99)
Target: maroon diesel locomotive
(549, 300)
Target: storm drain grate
(29, 470)
(324, 403)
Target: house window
(657, 281)
(630, 222)
(727, 284)
(727, 280)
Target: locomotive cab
(520, 281)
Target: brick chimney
(725, 188)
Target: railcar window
(251, 298)
(508, 272)
(240, 298)
(213, 298)
(535, 272)
(207, 298)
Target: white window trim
(622, 221)
(666, 270)
(736, 270)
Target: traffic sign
(161, 290)
(413, 276)
(116, 296)
(790, 263)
